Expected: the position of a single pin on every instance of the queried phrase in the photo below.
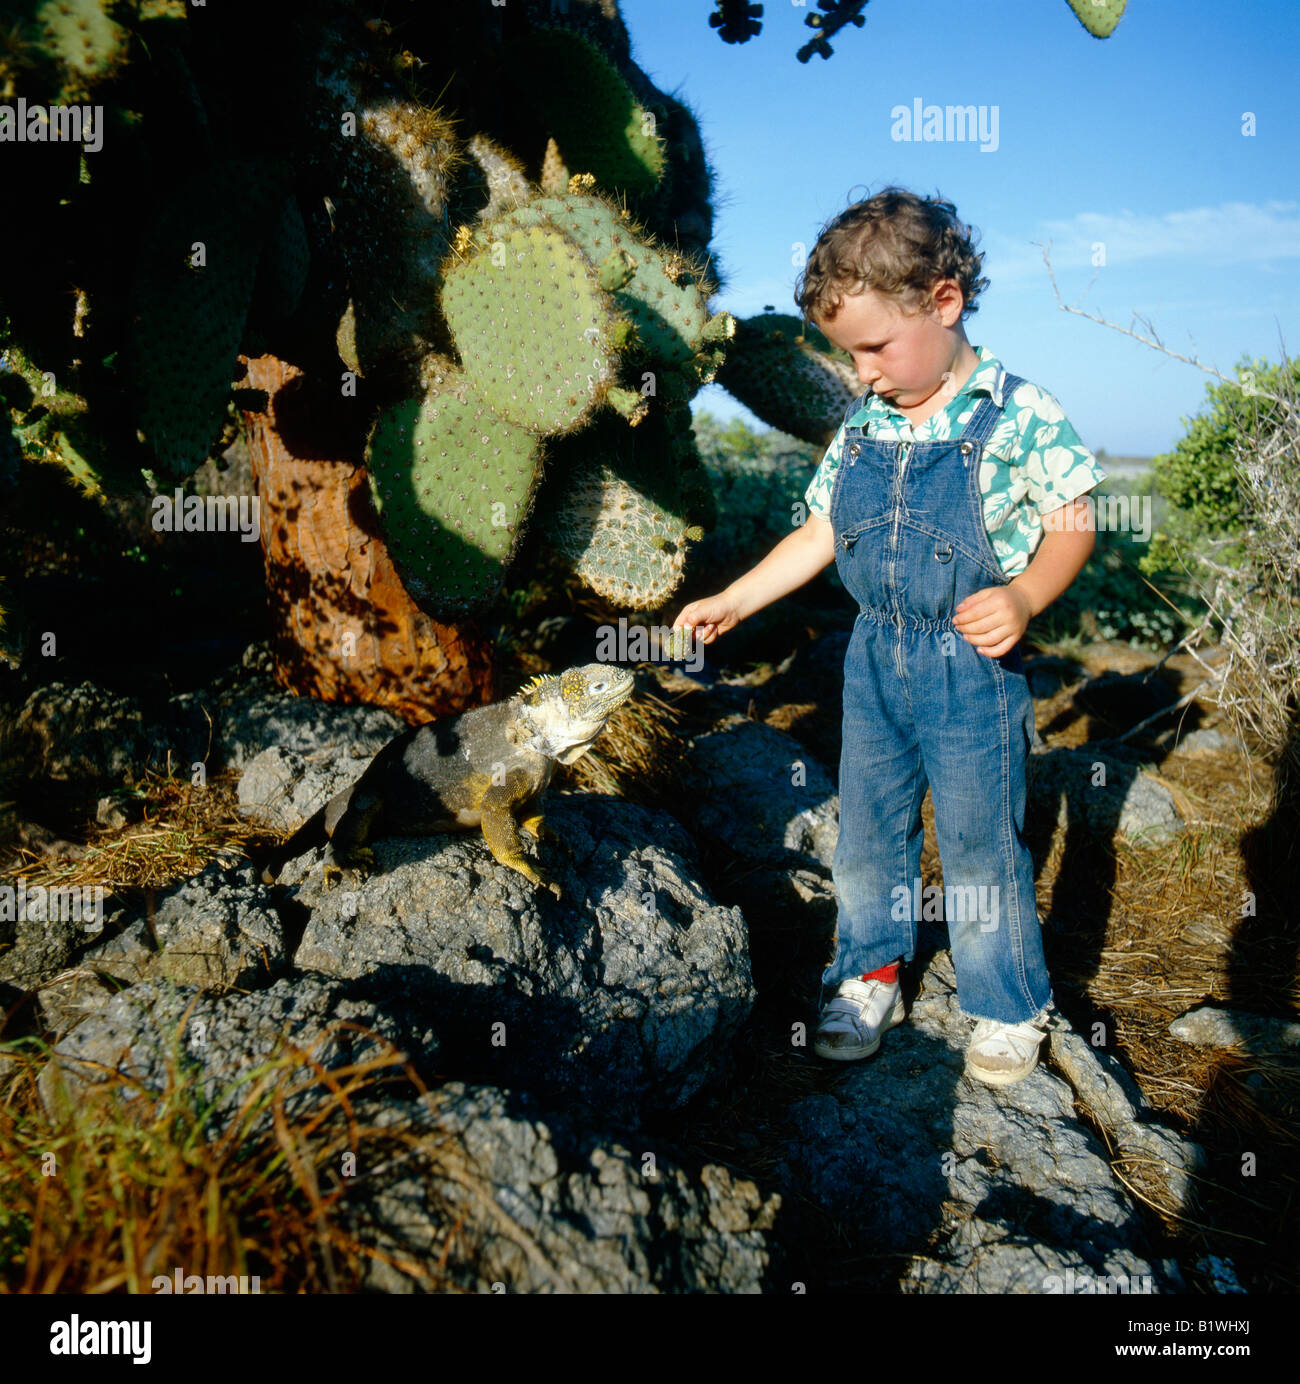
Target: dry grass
(134, 1188)
(110, 1192)
(184, 829)
(1254, 604)
(1158, 930)
(639, 755)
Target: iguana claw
(360, 862)
(542, 881)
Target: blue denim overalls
(921, 705)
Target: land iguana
(486, 767)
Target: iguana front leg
(501, 832)
(538, 829)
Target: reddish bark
(329, 574)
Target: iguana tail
(311, 833)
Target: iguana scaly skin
(485, 768)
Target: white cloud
(1255, 234)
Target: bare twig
(1152, 340)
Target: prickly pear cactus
(571, 325)
(392, 160)
(485, 226)
(1099, 17)
(42, 418)
(283, 267)
(502, 177)
(67, 46)
(787, 373)
(659, 291)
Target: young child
(950, 500)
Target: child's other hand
(993, 619)
(709, 617)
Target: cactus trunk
(343, 626)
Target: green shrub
(757, 478)
(1112, 598)
(1200, 478)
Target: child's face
(902, 358)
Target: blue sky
(1135, 141)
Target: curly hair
(896, 243)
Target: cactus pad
(555, 173)
(502, 177)
(1099, 17)
(790, 377)
(189, 320)
(85, 41)
(658, 291)
(453, 483)
(624, 520)
(282, 271)
(390, 163)
(533, 328)
(591, 112)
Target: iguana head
(561, 715)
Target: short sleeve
(1057, 467)
(818, 494)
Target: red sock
(889, 974)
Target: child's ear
(948, 296)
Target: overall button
(943, 552)
(854, 449)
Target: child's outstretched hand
(993, 619)
(709, 617)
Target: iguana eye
(599, 686)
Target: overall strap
(987, 416)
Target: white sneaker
(1001, 1054)
(851, 1023)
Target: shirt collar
(988, 377)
